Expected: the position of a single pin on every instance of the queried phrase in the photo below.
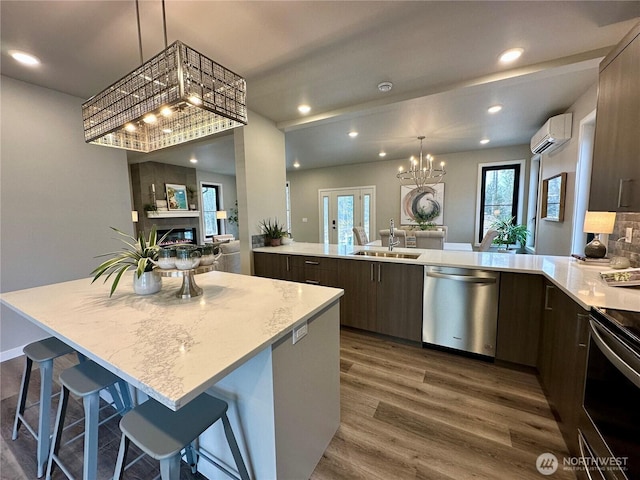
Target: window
(211, 202)
(499, 192)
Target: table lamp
(597, 223)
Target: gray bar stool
(86, 380)
(162, 434)
(42, 352)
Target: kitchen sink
(373, 253)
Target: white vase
(147, 283)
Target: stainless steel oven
(610, 439)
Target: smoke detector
(385, 86)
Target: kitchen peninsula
(234, 341)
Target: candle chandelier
(177, 96)
(421, 172)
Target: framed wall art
(429, 201)
(176, 196)
(553, 193)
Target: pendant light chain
(140, 32)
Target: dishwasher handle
(462, 278)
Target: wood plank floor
(406, 413)
(414, 413)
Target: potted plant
(509, 233)
(140, 254)
(424, 217)
(273, 231)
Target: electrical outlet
(300, 332)
(628, 234)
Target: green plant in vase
(138, 253)
(424, 217)
(273, 231)
(509, 233)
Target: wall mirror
(553, 191)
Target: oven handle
(627, 370)
(584, 451)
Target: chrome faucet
(392, 239)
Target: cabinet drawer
(318, 263)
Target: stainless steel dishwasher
(461, 309)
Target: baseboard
(12, 353)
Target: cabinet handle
(309, 262)
(372, 272)
(582, 342)
(288, 269)
(379, 274)
(546, 297)
(621, 191)
(313, 282)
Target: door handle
(546, 297)
(632, 372)
(462, 278)
(622, 201)
(582, 342)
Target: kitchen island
(234, 341)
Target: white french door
(341, 209)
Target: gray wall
(554, 238)
(58, 197)
(460, 190)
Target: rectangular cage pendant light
(175, 97)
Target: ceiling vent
(555, 132)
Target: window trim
(479, 191)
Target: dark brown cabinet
(296, 268)
(519, 312)
(277, 266)
(382, 297)
(615, 176)
(563, 358)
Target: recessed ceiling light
(150, 118)
(166, 130)
(130, 127)
(511, 55)
(193, 160)
(24, 58)
(484, 141)
(353, 134)
(304, 109)
(382, 154)
(166, 112)
(296, 164)
(385, 87)
(494, 108)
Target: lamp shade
(221, 214)
(599, 222)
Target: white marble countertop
(580, 282)
(172, 349)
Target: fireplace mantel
(173, 214)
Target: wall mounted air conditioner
(555, 132)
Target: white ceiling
(440, 56)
